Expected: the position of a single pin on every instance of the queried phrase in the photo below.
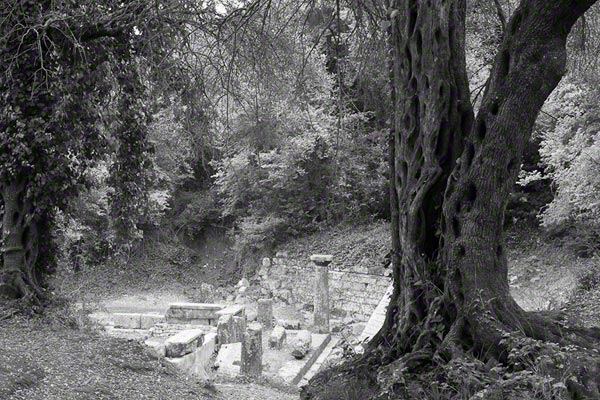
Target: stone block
(273, 284)
(243, 283)
(207, 349)
(301, 344)
(277, 338)
(201, 313)
(236, 309)
(230, 329)
(266, 262)
(183, 343)
(251, 360)
(147, 321)
(251, 315)
(196, 362)
(224, 329)
(240, 325)
(265, 313)
(292, 324)
(164, 329)
(155, 347)
(127, 320)
(321, 258)
(284, 295)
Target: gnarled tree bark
(20, 275)
(451, 174)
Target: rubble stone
(301, 344)
(251, 360)
(277, 337)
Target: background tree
(58, 60)
(291, 153)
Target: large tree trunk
(451, 174)
(20, 276)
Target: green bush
(570, 148)
(195, 211)
(295, 188)
(590, 279)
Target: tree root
(490, 350)
(13, 287)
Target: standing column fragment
(321, 314)
(251, 362)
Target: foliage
(354, 390)
(533, 370)
(571, 149)
(74, 91)
(291, 189)
(590, 279)
(306, 145)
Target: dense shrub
(319, 175)
(571, 149)
(560, 183)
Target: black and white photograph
(299, 200)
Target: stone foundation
(353, 291)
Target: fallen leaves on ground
(40, 361)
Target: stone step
(183, 343)
(378, 317)
(319, 361)
(293, 371)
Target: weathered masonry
(352, 289)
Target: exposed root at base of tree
(23, 297)
(545, 360)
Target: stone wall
(352, 290)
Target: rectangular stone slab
(184, 343)
(321, 258)
(229, 359)
(236, 309)
(197, 362)
(277, 337)
(191, 311)
(316, 367)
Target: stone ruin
(212, 340)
